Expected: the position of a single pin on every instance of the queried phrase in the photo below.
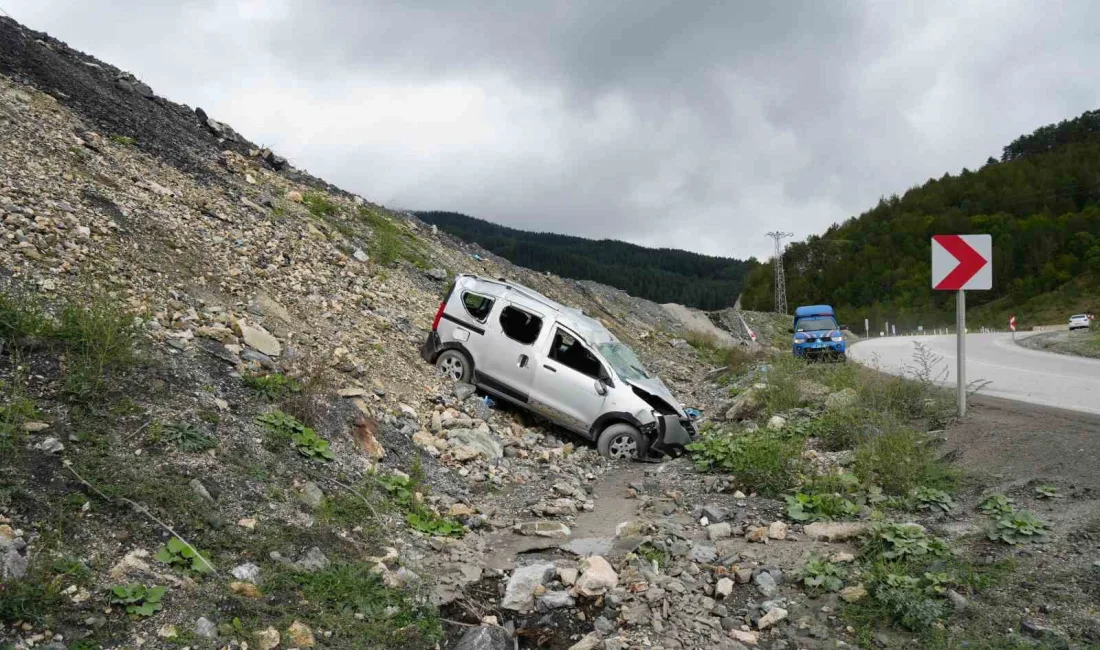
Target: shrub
(124, 140)
(900, 460)
(762, 461)
(99, 340)
(311, 383)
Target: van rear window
(519, 325)
(477, 306)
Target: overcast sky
(693, 124)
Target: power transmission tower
(780, 280)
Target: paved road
(1015, 372)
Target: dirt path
(1022, 440)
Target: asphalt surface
(1013, 372)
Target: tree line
(658, 274)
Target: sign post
(1012, 324)
(961, 262)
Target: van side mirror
(601, 390)
(842, 327)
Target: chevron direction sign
(962, 262)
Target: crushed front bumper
(672, 435)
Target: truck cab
(817, 334)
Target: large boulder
(519, 595)
(470, 443)
(597, 577)
(842, 399)
(746, 405)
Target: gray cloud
(698, 125)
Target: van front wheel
(454, 365)
(622, 442)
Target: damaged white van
(519, 345)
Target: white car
(1079, 321)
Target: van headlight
(838, 339)
(796, 340)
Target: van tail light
(439, 315)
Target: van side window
(519, 325)
(567, 351)
(477, 306)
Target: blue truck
(817, 334)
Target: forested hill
(658, 274)
(1041, 203)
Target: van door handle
(523, 361)
(550, 368)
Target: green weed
(762, 461)
(23, 320)
(900, 460)
(822, 575)
(16, 411)
(893, 541)
(651, 553)
(814, 507)
(352, 601)
(138, 599)
(927, 498)
(186, 437)
(390, 242)
(1019, 526)
(319, 205)
(403, 492)
(124, 140)
(273, 386)
(286, 431)
(181, 556)
(99, 340)
(997, 505)
(33, 598)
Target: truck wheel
(454, 365)
(622, 442)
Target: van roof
(813, 310)
(588, 328)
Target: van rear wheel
(454, 365)
(622, 442)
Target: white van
(520, 346)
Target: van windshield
(815, 323)
(623, 360)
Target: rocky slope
(242, 272)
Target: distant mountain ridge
(659, 274)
